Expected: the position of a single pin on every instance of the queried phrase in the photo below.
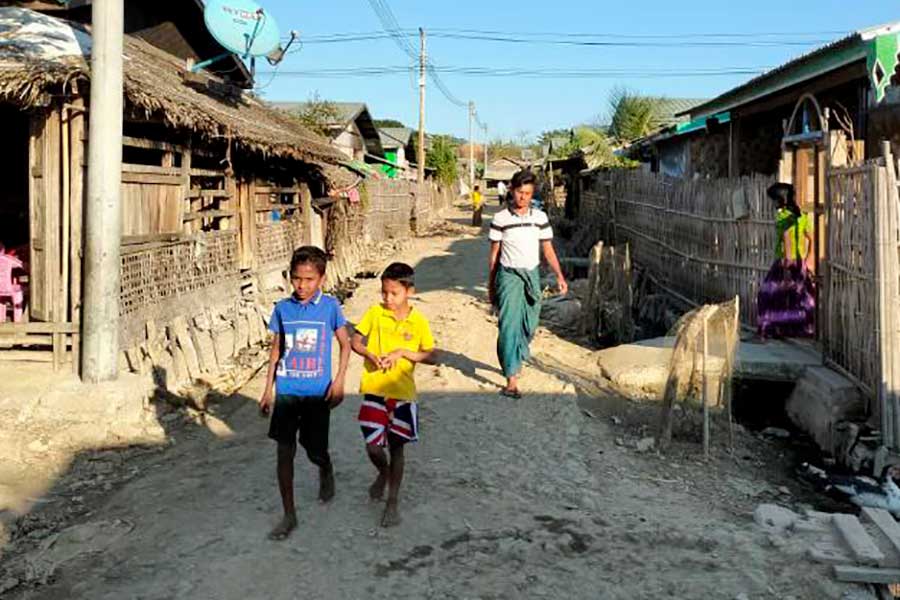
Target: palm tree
(633, 116)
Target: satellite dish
(242, 27)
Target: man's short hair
(400, 272)
(309, 255)
(523, 177)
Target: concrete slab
(641, 369)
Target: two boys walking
(391, 337)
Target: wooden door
(44, 215)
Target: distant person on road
(392, 337)
(477, 206)
(787, 296)
(518, 235)
(300, 371)
(501, 193)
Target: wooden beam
(26, 356)
(209, 194)
(133, 142)
(853, 574)
(151, 179)
(278, 190)
(37, 327)
(206, 173)
(133, 240)
(150, 169)
(208, 214)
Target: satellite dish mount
(243, 28)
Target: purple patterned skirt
(787, 302)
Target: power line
(546, 72)
(580, 40)
(392, 28)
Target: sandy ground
(545, 497)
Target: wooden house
(351, 128)
(217, 187)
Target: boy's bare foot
(284, 528)
(326, 485)
(391, 516)
(376, 490)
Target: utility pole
(486, 144)
(420, 150)
(471, 147)
(103, 216)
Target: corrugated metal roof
(395, 137)
(815, 63)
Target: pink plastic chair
(10, 290)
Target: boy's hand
(335, 395)
(376, 361)
(388, 362)
(265, 402)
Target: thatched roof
(155, 85)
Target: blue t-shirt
(306, 331)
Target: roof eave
(824, 60)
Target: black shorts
(305, 419)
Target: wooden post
(891, 362)
(879, 227)
(591, 308)
(76, 205)
(104, 223)
(705, 384)
(188, 226)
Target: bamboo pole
(76, 204)
(705, 384)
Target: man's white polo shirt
(520, 237)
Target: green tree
(633, 116)
(442, 158)
(318, 115)
(380, 123)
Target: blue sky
(513, 106)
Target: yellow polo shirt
(385, 334)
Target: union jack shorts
(380, 418)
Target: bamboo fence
(700, 240)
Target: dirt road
(503, 499)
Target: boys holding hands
(392, 337)
(300, 370)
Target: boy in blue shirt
(300, 370)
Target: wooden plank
(150, 169)
(854, 535)
(278, 190)
(20, 339)
(26, 356)
(885, 523)
(854, 574)
(76, 189)
(37, 327)
(206, 173)
(151, 179)
(134, 142)
(209, 194)
(208, 214)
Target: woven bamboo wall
(276, 241)
(389, 209)
(704, 240)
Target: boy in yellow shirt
(392, 337)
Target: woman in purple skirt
(787, 297)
